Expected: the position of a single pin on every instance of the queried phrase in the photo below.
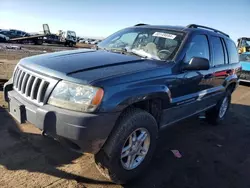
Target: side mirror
(197, 63)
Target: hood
(86, 65)
(245, 65)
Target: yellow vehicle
(243, 45)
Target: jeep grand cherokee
(112, 101)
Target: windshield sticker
(164, 35)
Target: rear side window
(198, 47)
(232, 52)
(218, 52)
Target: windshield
(145, 42)
(245, 57)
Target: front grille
(245, 75)
(30, 85)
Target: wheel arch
(231, 82)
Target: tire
(213, 115)
(38, 42)
(109, 161)
(70, 44)
(3, 40)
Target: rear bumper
(80, 131)
(243, 80)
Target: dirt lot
(10, 54)
(212, 156)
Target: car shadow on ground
(245, 84)
(29, 151)
(212, 156)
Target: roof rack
(140, 24)
(205, 27)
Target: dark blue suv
(113, 100)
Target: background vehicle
(113, 102)
(95, 42)
(243, 45)
(66, 38)
(12, 33)
(245, 63)
(18, 33)
(3, 38)
(82, 41)
(89, 41)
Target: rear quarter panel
(234, 75)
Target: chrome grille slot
(17, 78)
(34, 88)
(25, 79)
(30, 85)
(245, 75)
(41, 91)
(15, 75)
(21, 80)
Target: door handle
(207, 76)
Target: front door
(193, 86)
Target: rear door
(220, 62)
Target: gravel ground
(212, 156)
(10, 54)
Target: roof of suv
(188, 28)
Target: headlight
(76, 97)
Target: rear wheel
(129, 149)
(39, 42)
(218, 113)
(71, 44)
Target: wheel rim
(135, 148)
(223, 107)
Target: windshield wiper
(144, 54)
(139, 53)
(126, 51)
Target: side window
(218, 53)
(232, 52)
(198, 47)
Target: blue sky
(102, 18)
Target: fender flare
(127, 97)
(231, 79)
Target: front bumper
(245, 76)
(80, 131)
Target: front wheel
(218, 113)
(130, 147)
